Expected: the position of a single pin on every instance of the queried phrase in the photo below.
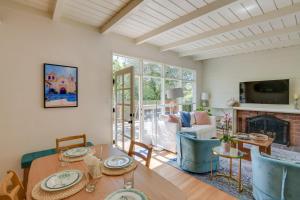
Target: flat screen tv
(265, 92)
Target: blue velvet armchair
(194, 155)
(274, 179)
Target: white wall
(28, 39)
(221, 76)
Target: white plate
(127, 194)
(114, 162)
(76, 152)
(61, 180)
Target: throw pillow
(202, 118)
(174, 119)
(185, 119)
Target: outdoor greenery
(152, 80)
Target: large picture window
(152, 81)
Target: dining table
(146, 180)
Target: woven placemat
(76, 159)
(118, 172)
(39, 194)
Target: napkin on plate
(94, 165)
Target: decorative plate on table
(61, 180)
(127, 194)
(117, 162)
(76, 152)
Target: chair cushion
(202, 118)
(185, 119)
(29, 157)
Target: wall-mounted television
(265, 92)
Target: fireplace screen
(270, 125)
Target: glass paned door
(124, 118)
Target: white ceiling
(202, 29)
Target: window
(172, 72)
(152, 81)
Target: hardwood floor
(192, 187)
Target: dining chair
(132, 152)
(11, 187)
(59, 141)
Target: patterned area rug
(223, 184)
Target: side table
(232, 154)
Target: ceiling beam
(280, 44)
(120, 15)
(253, 20)
(243, 40)
(184, 19)
(58, 10)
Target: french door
(124, 111)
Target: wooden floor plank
(192, 187)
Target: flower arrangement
(226, 123)
(226, 139)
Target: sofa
(166, 131)
(194, 155)
(273, 178)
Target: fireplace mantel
(273, 110)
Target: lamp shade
(204, 96)
(174, 93)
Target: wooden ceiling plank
(243, 40)
(249, 50)
(58, 10)
(184, 19)
(120, 15)
(234, 26)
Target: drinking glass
(91, 184)
(61, 159)
(129, 180)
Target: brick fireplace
(292, 119)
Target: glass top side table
(232, 154)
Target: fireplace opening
(270, 125)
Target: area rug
(223, 184)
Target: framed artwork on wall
(60, 86)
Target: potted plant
(226, 139)
(226, 142)
(202, 109)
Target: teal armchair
(274, 179)
(194, 155)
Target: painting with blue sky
(60, 86)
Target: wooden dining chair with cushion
(11, 187)
(68, 140)
(132, 151)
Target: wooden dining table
(145, 179)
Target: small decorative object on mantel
(226, 138)
(296, 98)
(60, 86)
(233, 102)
